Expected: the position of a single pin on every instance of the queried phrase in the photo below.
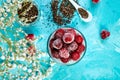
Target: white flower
(34, 64)
(24, 68)
(5, 14)
(2, 10)
(1, 25)
(17, 50)
(14, 65)
(2, 57)
(8, 10)
(9, 64)
(49, 71)
(13, 57)
(52, 63)
(2, 19)
(20, 66)
(0, 14)
(44, 55)
(24, 45)
(8, 1)
(17, 58)
(13, 1)
(29, 70)
(39, 56)
(22, 59)
(19, 6)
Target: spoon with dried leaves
(85, 15)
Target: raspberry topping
(57, 44)
(51, 44)
(64, 60)
(73, 46)
(75, 56)
(68, 38)
(78, 39)
(72, 31)
(81, 48)
(64, 53)
(55, 53)
(59, 33)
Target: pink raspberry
(55, 53)
(51, 43)
(73, 46)
(78, 39)
(75, 56)
(80, 48)
(64, 60)
(68, 38)
(64, 53)
(57, 44)
(70, 30)
(59, 33)
(31, 50)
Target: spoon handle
(75, 4)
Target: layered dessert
(66, 46)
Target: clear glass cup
(70, 62)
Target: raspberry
(81, 48)
(55, 53)
(57, 44)
(30, 37)
(51, 43)
(95, 1)
(59, 33)
(105, 34)
(73, 46)
(64, 60)
(72, 31)
(68, 38)
(78, 39)
(75, 56)
(65, 45)
(64, 53)
(31, 50)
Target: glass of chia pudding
(66, 46)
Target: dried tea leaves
(62, 14)
(28, 12)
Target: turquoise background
(102, 58)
